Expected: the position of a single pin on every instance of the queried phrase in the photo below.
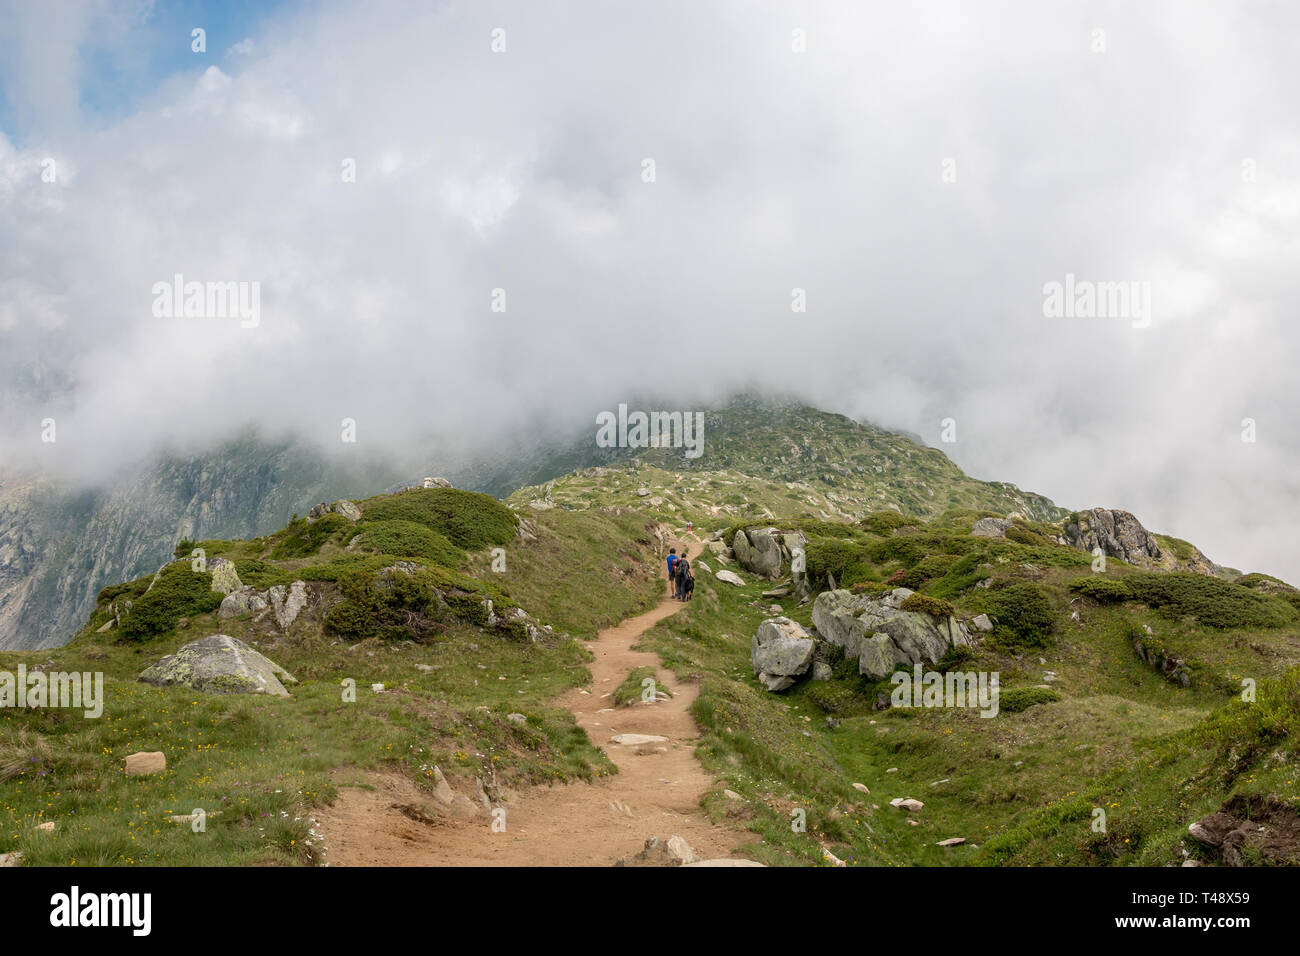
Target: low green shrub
(408, 539)
(1023, 613)
(468, 519)
(1211, 601)
(887, 522)
(925, 604)
(843, 559)
(179, 592)
(302, 539)
(1022, 698)
(1103, 590)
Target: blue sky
(126, 51)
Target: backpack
(683, 568)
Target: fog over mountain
(919, 173)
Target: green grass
(262, 767)
(633, 689)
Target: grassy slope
(790, 460)
(264, 763)
(998, 782)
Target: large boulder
(781, 652)
(220, 664)
(224, 578)
(876, 631)
(729, 577)
(347, 509)
(759, 551)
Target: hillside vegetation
(1133, 702)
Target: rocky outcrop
(781, 652)
(1120, 535)
(287, 602)
(246, 601)
(347, 509)
(759, 551)
(436, 483)
(881, 635)
(220, 664)
(991, 527)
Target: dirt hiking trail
(656, 792)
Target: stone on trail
(144, 764)
(220, 664)
(637, 740)
(671, 852)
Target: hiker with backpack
(672, 571)
(683, 568)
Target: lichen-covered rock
(781, 652)
(437, 483)
(347, 509)
(224, 577)
(854, 621)
(220, 664)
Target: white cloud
(819, 170)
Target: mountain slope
(786, 459)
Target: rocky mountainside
(58, 547)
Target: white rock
(636, 740)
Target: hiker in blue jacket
(672, 571)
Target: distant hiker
(690, 526)
(683, 572)
(672, 570)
